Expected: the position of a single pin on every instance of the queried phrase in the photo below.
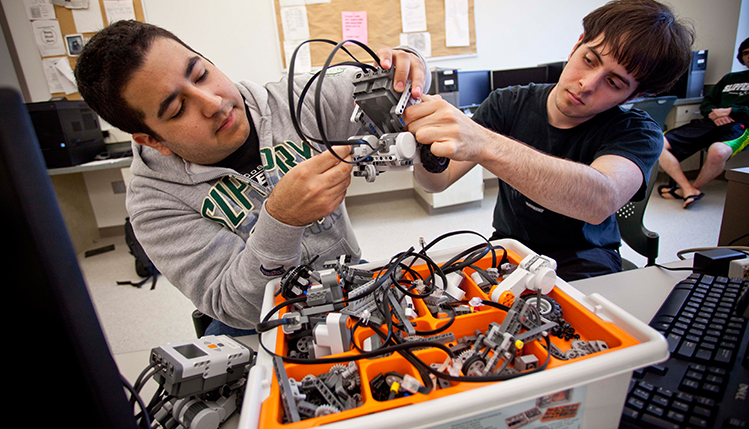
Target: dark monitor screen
(67, 373)
(524, 76)
(473, 86)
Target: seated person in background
(566, 155)
(723, 132)
(224, 196)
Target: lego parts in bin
(415, 326)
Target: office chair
(656, 107)
(633, 232)
(630, 216)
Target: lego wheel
(392, 377)
(474, 366)
(432, 163)
(547, 307)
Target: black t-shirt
(246, 159)
(520, 113)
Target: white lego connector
(534, 273)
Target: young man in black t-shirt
(566, 155)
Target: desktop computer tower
(68, 132)
(445, 83)
(692, 82)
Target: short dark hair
(107, 63)
(742, 46)
(645, 37)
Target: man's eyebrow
(168, 100)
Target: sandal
(688, 201)
(670, 190)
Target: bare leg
(671, 166)
(717, 155)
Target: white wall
(240, 36)
(741, 34)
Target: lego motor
(378, 110)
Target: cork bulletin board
(66, 21)
(383, 27)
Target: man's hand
(451, 133)
(407, 67)
(311, 190)
(721, 116)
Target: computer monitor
(473, 86)
(524, 76)
(60, 369)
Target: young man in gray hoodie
(225, 196)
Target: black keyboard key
(697, 422)
(655, 410)
(660, 401)
(636, 404)
(686, 350)
(703, 355)
(685, 397)
(676, 416)
(658, 422)
(689, 385)
(723, 356)
(696, 387)
(673, 342)
(641, 394)
(673, 303)
(703, 412)
(658, 369)
(630, 414)
(680, 406)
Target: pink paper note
(354, 26)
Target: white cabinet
(469, 188)
(682, 114)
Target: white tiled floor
(139, 319)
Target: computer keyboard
(705, 382)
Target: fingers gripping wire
(295, 109)
(377, 109)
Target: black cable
(319, 77)
(145, 421)
(318, 93)
(735, 240)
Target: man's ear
(148, 140)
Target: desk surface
(738, 175)
(103, 164)
(639, 292)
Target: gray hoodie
(206, 228)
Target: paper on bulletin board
(88, 20)
(413, 16)
(67, 77)
(52, 75)
(119, 10)
(354, 26)
(39, 9)
(48, 37)
(456, 23)
(421, 41)
(295, 24)
(303, 60)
